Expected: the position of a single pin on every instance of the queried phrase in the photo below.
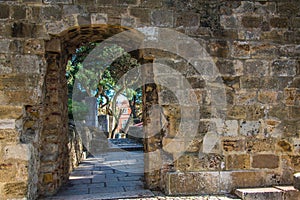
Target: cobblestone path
(114, 175)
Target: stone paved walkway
(110, 172)
(114, 175)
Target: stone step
(267, 193)
(297, 181)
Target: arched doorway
(54, 166)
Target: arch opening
(55, 166)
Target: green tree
(104, 80)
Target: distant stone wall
(251, 140)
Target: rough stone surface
(265, 161)
(289, 192)
(259, 193)
(192, 183)
(297, 181)
(231, 105)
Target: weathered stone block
(255, 68)
(29, 30)
(4, 46)
(16, 81)
(233, 145)
(265, 161)
(225, 33)
(205, 67)
(52, 12)
(192, 183)
(19, 12)
(250, 128)
(237, 112)
(238, 162)
(245, 97)
(290, 96)
(168, 81)
(288, 8)
(255, 112)
(228, 21)
(15, 189)
(187, 20)
(53, 45)
(8, 136)
(27, 64)
(218, 48)
(10, 112)
(230, 128)
(7, 124)
(7, 171)
(225, 127)
(288, 50)
(249, 34)
(142, 14)
(211, 143)
(267, 97)
(249, 82)
(99, 18)
(284, 68)
(292, 161)
(230, 180)
(162, 18)
(72, 9)
(84, 19)
(226, 67)
(18, 151)
(240, 50)
(34, 47)
(259, 193)
(264, 51)
(252, 21)
(21, 96)
(4, 11)
(284, 146)
(278, 22)
(289, 192)
(199, 162)
(260, 145)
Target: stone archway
(54, 163)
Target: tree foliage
(104, 77)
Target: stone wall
(248, 138)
